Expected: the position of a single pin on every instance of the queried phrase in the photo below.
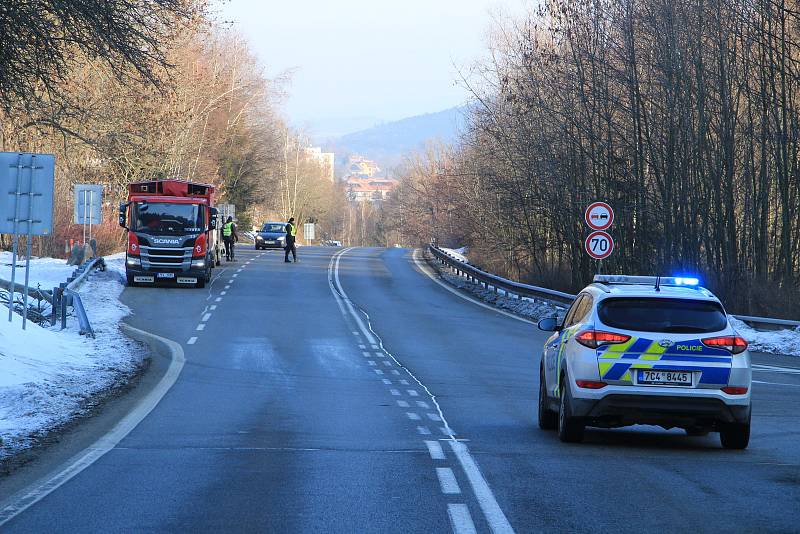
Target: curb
(40, 489)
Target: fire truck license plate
(166, 275)
(664, 378)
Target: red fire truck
(171, 236)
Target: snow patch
(526, 307)
(457, 253)
(45, 273)
(785, 342)
(46, 376)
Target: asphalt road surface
(351, 393)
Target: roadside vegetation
(129, 90)
(682, 115)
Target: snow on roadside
(785, 342)
(46, 273)
(531, 309)
(458, 253)
(46, 376)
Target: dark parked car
(272, 235)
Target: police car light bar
(647, 280)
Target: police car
(645, 350)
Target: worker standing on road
(291, 234)
(229, 236)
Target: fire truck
(171, 237)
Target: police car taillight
(595, 338)
(733, 344)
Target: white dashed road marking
(447, 481)
(424, 430)
(394, 392)
(402, 404)
(206, 317)
(201, 327)
(435, 449)
(461, 519)
(413, 392)
(413, 416)
(192, 341)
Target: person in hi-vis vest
(229, 236)
(291, 235)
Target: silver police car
(645, 350)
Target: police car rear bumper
(668, 411)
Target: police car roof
(649, 291)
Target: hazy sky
(375, 59)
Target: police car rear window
(679, 316)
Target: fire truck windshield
(163, 218)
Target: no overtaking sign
(599, 217)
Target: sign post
(309, 231)
(599, 216)
(27, 209)
(88, 207)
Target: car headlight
(133, 261)
(259, 237)
(282, 238)
(198, 264)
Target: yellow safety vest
(227, 229)
(293, 230)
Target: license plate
(166, 275)
(183, 280)
(270, 242)
(664, 378)
(143, 279)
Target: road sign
(26, 193)
(599, 245)
(599, 216)
(309, 231)
(88, 204)
(26, 208)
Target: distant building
(369, 189)
(361, 167)
(324, 159)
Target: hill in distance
(387, 143)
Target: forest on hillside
(683, 115)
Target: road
(351, 393)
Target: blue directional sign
(26, 193)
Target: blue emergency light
(686, 281)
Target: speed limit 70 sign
(599, 245)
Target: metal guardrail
(66, 295)
(559, 297)
(490, 280)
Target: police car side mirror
(549, 324)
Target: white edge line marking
(460, 519)
(42, 488)
(494, 515)
(424, 269)
(447, 481)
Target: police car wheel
(570, 428)
(548, 419)
(735, 435)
